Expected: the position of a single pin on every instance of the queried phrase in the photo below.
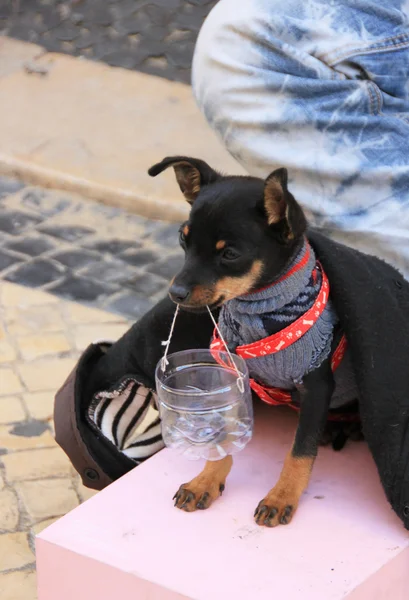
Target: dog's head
(240, 235)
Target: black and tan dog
(243, 235)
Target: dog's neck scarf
(247, 319)
(274, 306)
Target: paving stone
(51, 17)
(10, 439)
(180, 35)
(37, 464)
(130, 304)
(68, 233)
(45, 203)
(180, 54)
(29, 428)
(77, 313)
(7, 259)
(77, 18)
(15, 552)
(114, 271)
(122, 58)
(112, 246)
(19, 585)
(140, 258)
(7, 352)
(102, 49)
(9, 186)
(45, 374)
(5, 238)
(15, 222)
(76, 259)
(39, 527)
(11, 410)
(26, 321)
(86, 334)
(168, 267)
(83, 41)
(147, 284)
(100, 15)
(67, 32)
(9, 512)
(22, 297)
(81, 289)
(36, 273)
(30, 245)
(167, 236)
(35, 346)
(40, 405)
(89, 38)
(84, 492)
(10, 383)
(47, 498)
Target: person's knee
(226, 54)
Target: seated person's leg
(320, 88)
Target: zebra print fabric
(128, 418)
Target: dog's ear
(281, 207)
(191, 174)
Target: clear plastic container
(206, 408)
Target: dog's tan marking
(201, 296)
(231, 287)
(228, 287)
(204, 489)
(220, 245)
(186, 230)
(281, 502)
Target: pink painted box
(129, 542)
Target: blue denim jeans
(320, 87)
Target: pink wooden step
(129, 543)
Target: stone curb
(82, 126)
(152, 208)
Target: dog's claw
(190, 496)
(202, 504)
(287, 513)
(270, 516)
(258, 508)
(261, 512)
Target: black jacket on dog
(372, 301)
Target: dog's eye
(182, 238)
(230, 254)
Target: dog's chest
(279, 366)
(286, 367)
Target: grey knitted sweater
(250, 318)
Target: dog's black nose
(178, 293)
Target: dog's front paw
(199, 494)
(277, 508)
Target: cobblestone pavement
(153, 36)
(81, 250)
(56, 247)
(41, 336)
